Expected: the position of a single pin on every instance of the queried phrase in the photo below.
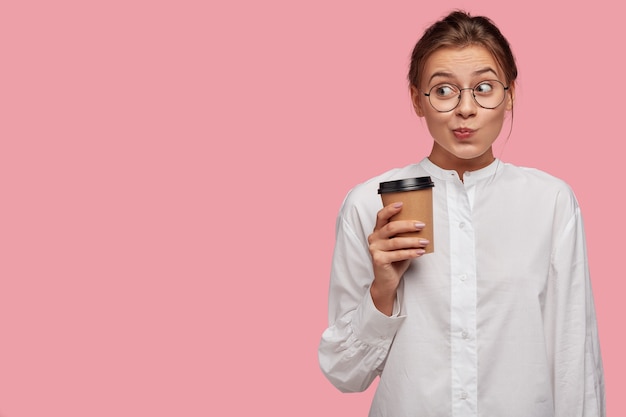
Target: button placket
(463, 302)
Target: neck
(446, 160)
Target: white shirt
(498, 322)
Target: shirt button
(465, 335)
(461, 225)
(463, 277)
(463, 395)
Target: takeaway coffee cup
(416, 194)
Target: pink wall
(170, 174)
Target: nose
(467, 105)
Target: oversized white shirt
(498, 322)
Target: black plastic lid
(407, 184)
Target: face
(462, 137)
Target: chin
(468, 154)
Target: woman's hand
(391, 255)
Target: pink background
(170, 173)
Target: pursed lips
(463, 132)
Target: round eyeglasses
(445, 97)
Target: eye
(445, 90)
(484, 88)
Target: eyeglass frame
(506, 88)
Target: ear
(416, 99)
(510, 97)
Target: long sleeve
(354, 347)
(571, 328)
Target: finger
(394, 228)
(401, 226)
(384, 214)
(382, 258)
(398, 243)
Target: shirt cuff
(373, 327)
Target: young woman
(499, 321)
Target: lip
(463, 133)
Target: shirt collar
(447, 174)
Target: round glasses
(445, 97)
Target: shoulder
(538, 184)
(532, 175)
(366, 193)
(362, 202)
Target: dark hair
(459, 29)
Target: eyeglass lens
(488, 94)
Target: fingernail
(424, 241)
(419, 225)
(398, 204)
(420, 251)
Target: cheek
(495, 122)
(434, 118)
(438, 124)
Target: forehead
(465, 63)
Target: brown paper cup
(417, 205)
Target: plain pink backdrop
(170, 173)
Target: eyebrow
(450, 75)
